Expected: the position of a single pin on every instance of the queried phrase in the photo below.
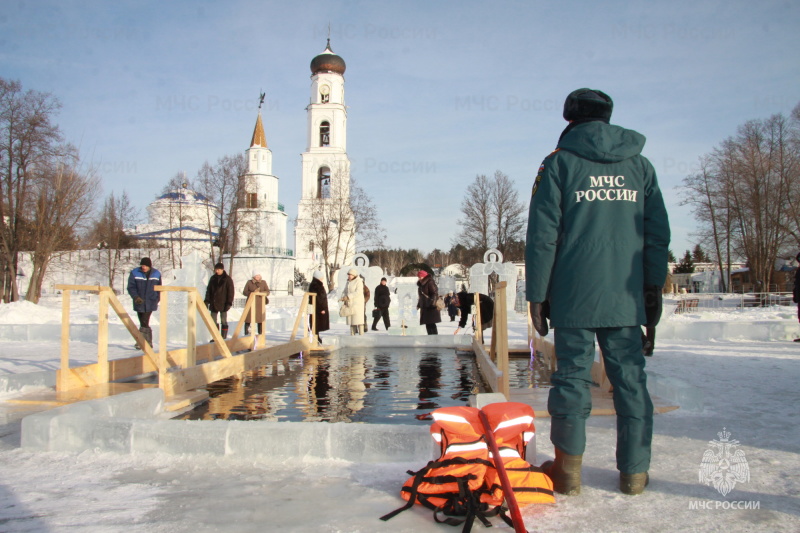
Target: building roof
(259, 139)
(327, 61)
(182, 196)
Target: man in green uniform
(595, 262)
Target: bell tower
(324, 231)
(262, 218)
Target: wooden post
(500, 332)
(300, 316)
(63, 381)
(162, 339)
(261, 338)
(191, 328)
(479, 324)
(102, 338)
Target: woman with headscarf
(354, 302)
(256, 284)
(428, 293)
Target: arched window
(325, 134)
(324, 183)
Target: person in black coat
(219, 297)
(142, 282)
(465, 302)
(428, 292)
(382, 300)
(321, 315)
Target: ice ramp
(137, 423)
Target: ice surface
(747, 384)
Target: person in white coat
(353, 304)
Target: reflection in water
(429, 373)
(528, 373)
(348, 385)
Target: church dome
(327, 61)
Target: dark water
(387, 386)
(528, 373)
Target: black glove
(540, 312)
(138, 300)
(652, 305)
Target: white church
(324, 209)
(186, 221)
(325, 182)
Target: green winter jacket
(597, 229)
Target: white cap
(319, 275)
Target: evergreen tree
(699, 256)
(686, 266)
(671, 257)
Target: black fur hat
(588, 103)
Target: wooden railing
(498, 350)
(178, 370)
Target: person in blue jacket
(141, 287)
(596, 258)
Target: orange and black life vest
(463, 484)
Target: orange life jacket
(463, 484)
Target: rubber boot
(633, 484)
(148, 335)
(565, 471)
(246, 329)
(260, 327)
(225, 331)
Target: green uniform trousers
(570, 400)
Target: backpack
(463, 483)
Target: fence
(705, 300)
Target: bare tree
(706, 194)
(28, 137)
(477, 210)
(335, 221)
(331, 227)
(224, 184)
(64, 200)
(365, 218)
(744, 193)
(509, 213)
(108, 233)
(494, 216)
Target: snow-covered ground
(747, 382)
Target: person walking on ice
(219, 297)
(142, 282)
(596, 251)
(383, 298)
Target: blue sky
(438, 91)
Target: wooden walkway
(602, 401)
